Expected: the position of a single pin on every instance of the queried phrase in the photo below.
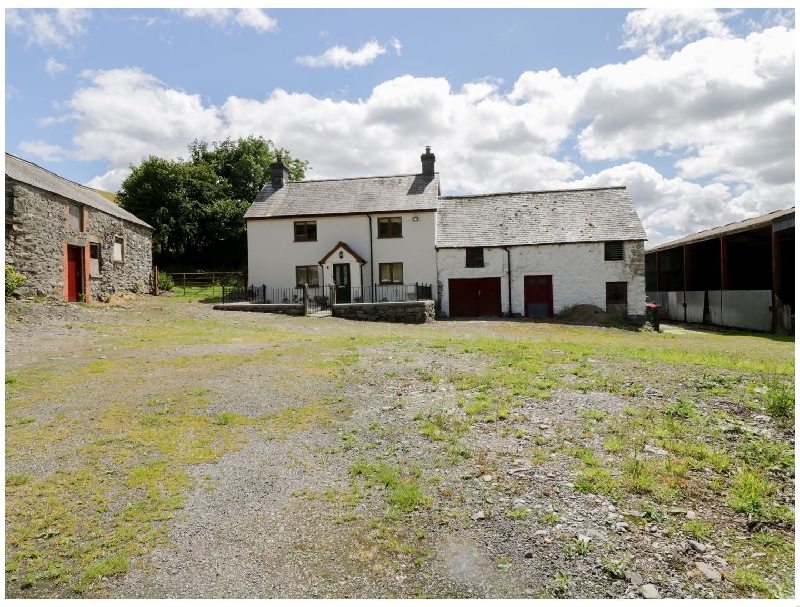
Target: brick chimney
(280, 173)
(428, 160)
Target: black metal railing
(379, 293)
(262, 294)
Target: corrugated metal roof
(344, 196)
(32, 174)
(531, 218)
(731, 228)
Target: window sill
(389, 237)
(306, 240)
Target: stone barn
(69, 240)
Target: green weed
(779, 402)
(681, 408)
(16, 480)
(749, 493)
(698, 529)
(596, 480)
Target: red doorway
(74, 273)
(474, 297)
(538, 296)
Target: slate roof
(731, 228)
(32, 174)
(533, 218)
(346, 196)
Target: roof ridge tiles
(592, 189)
(357, 178)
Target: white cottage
(354, 233)
(512, 254)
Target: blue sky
(692, 110)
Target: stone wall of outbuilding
(38, 233)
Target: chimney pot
(279, 172)
(428, 160)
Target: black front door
(341, 277)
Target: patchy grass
(117, 467)
(403, 493)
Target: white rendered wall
(272, 253)
(452, 264)
(579, 273)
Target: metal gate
(319, 301)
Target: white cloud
(254, 18)
(711, 100)
(720, 110)
(655, 29)
(257, 19)
(396, 45)
(12, 92)
(341, 57)
(57, 28)
(148, 21)
(125, 115)
(109, 181)
(43, 150)
(52, 67)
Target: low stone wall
(288, 309)
(412, 312)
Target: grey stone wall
(288, 309)
(414, 312)
(37, 228)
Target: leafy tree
(197, 205)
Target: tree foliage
(197, 206)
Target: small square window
(76, 217)
(94, 259)
(305, 231)
(616, 293)
(390, 273)
(307, 275)
(119, 248)
(474, 257)
(390, 227)
(614, 251)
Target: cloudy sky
(692, 110)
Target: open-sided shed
(736, 275)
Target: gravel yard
(161, 449)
